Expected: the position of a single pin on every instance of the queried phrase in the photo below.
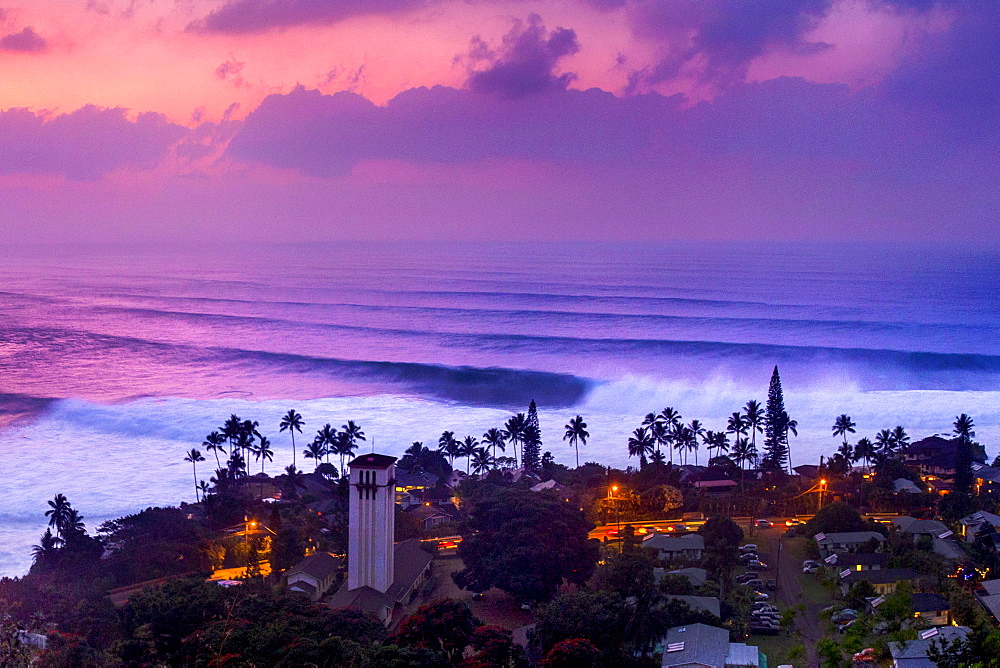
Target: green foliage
(679, 585)
(722, 540)
(599, 617)
(525, 543)
(837, 517)
(190, 622)
(287, 548)
(628, 574)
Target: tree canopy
(525, 543)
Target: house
(314, 575)
(884, 580)
(864, 561)
(976, 522)
(669, 548)
(547, 485)
(703, 646)
(935, 457)
(931, 528)
(905, 486)
(843, 542)
(985, 479)
(808, 471)
(411, 568)
(696, 576)
(709, 604)
(949, 549)
(987, 593)
(714, 481)
(913, 653)
(932, 608)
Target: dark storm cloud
(255, 16)
(525, 64)
(84, 144)
(323, 135)
(26, 41)
(723, 36)
(954, 79)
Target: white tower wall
(372, 525)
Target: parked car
(772, 584)
(762, 524)
(761, 596)
(749, 547)
(865, 656)
(749, 556)
(757, 566)
(762, 606)
(810, 566)
(753, 584)
(843, 616)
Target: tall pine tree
(532, 448)
(775, 427)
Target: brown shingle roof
(320, 565)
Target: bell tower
(372, 522)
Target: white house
(690, 546)
(314, 575)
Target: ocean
(116, 361)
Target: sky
(299, 120)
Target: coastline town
(481, 552)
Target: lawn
(776, 648)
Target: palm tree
(514, 431)
(678, 434)
(344, 446)
(203, 486)
(315, 450)
(58, 511)
(754, 414)
(884, 443)
(737, 425)
(640, 444)
(843, 426)
(74, 525)
(742, 453)
(292, 422)
(697, 429)
(864, 449)
(466, 448)
(900, 438)
(716, 440)
(576, 433)
(194, 456)
(964, 428)
(494, 439)
(47, 547)
(264, 452)
(448, 444)
(654, 423)
(354, 433)
(248, 432)
(790, 426)
(213, 443)
(481, 460)
(847, 452)
(671, 419)
(328, 435)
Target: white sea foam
(111, 460)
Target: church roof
(409, 561)
(373, 461)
